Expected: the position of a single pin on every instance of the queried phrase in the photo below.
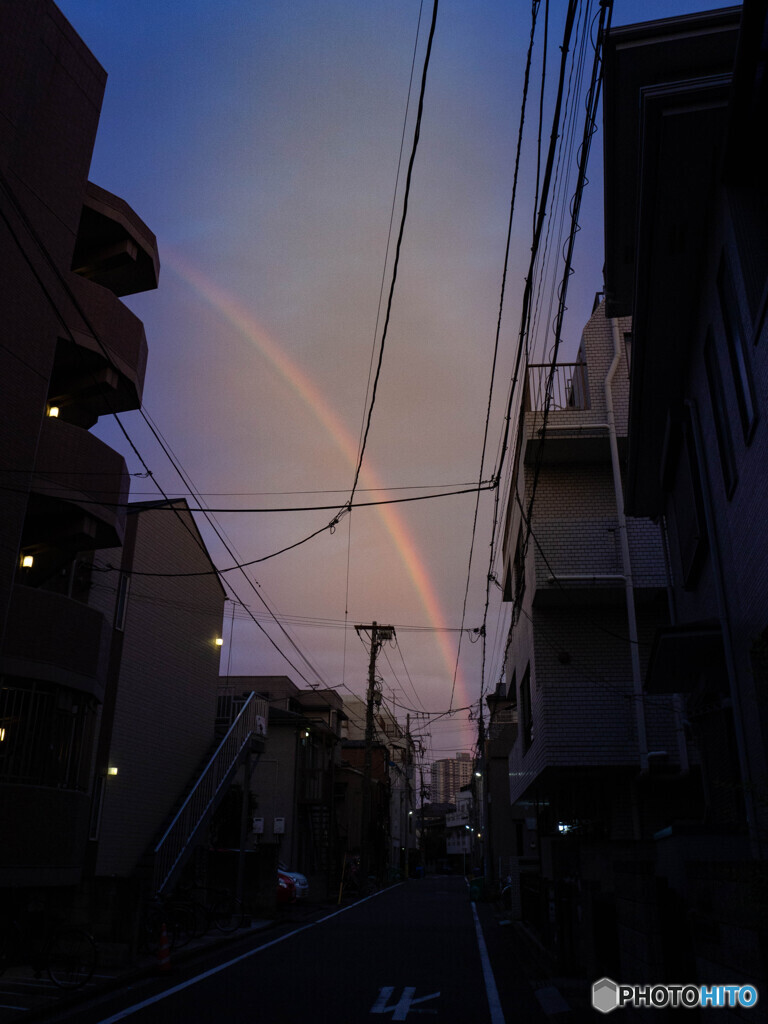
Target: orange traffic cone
(163, 950)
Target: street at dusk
(383, 588)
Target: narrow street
(418, 949)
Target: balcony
(113, 340)
(114, 247)
(78, 486)
(575, 429)
(566, 383)
(54, 639)
(580, 559)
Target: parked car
(286, 888)
(299, 881)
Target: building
(157, 740)
(71, 353)
(448, 775)
(293, 810)
(595, 766)
(686, 212)
(398, 751)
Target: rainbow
(235, 313)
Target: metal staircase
(245, 736)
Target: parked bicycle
(67, 954)
(187, 914)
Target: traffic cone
(163, 951)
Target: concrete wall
(166, 699)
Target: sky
(266, 145)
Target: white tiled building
(594, 758)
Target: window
(736, 339)
(526, 713)
(122, 601)
(683, 482)
(721, 418)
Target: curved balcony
(114, 246)
(114, 339)
(80, 479)
(54, 639)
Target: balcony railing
(566, 382)
(53, 638)
(181, 835)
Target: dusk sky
(260, 142)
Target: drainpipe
(629, 589)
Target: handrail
(567, 384)
(201, 800)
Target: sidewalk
(563, 1000)
(34, 998)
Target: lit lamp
(112, 771)
(53, 411)
(219, 641)
(27, 561)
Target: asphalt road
(416, 952)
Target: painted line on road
(494, 1003)
(122, 1014)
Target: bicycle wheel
(70, 958)
(227, 913)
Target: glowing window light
(112, 771)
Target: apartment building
(448, 775)
(293, 819)
(71, 353)
(596, 765)
(686, 215)
(158, 722)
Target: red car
(286, 888)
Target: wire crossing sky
(261, 143)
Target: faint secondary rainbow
(228, 307)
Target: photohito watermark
(609, 995)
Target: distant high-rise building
(448, 776)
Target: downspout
(629, 588)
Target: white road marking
(494, 1003)
(129, 1010)
(404, 1005)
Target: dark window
(123, 584)
(526, 712)
(736, 339)
(687, 504)
(721, 418)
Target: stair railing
(170, 854)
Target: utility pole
(407, 794)
(379, 634)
